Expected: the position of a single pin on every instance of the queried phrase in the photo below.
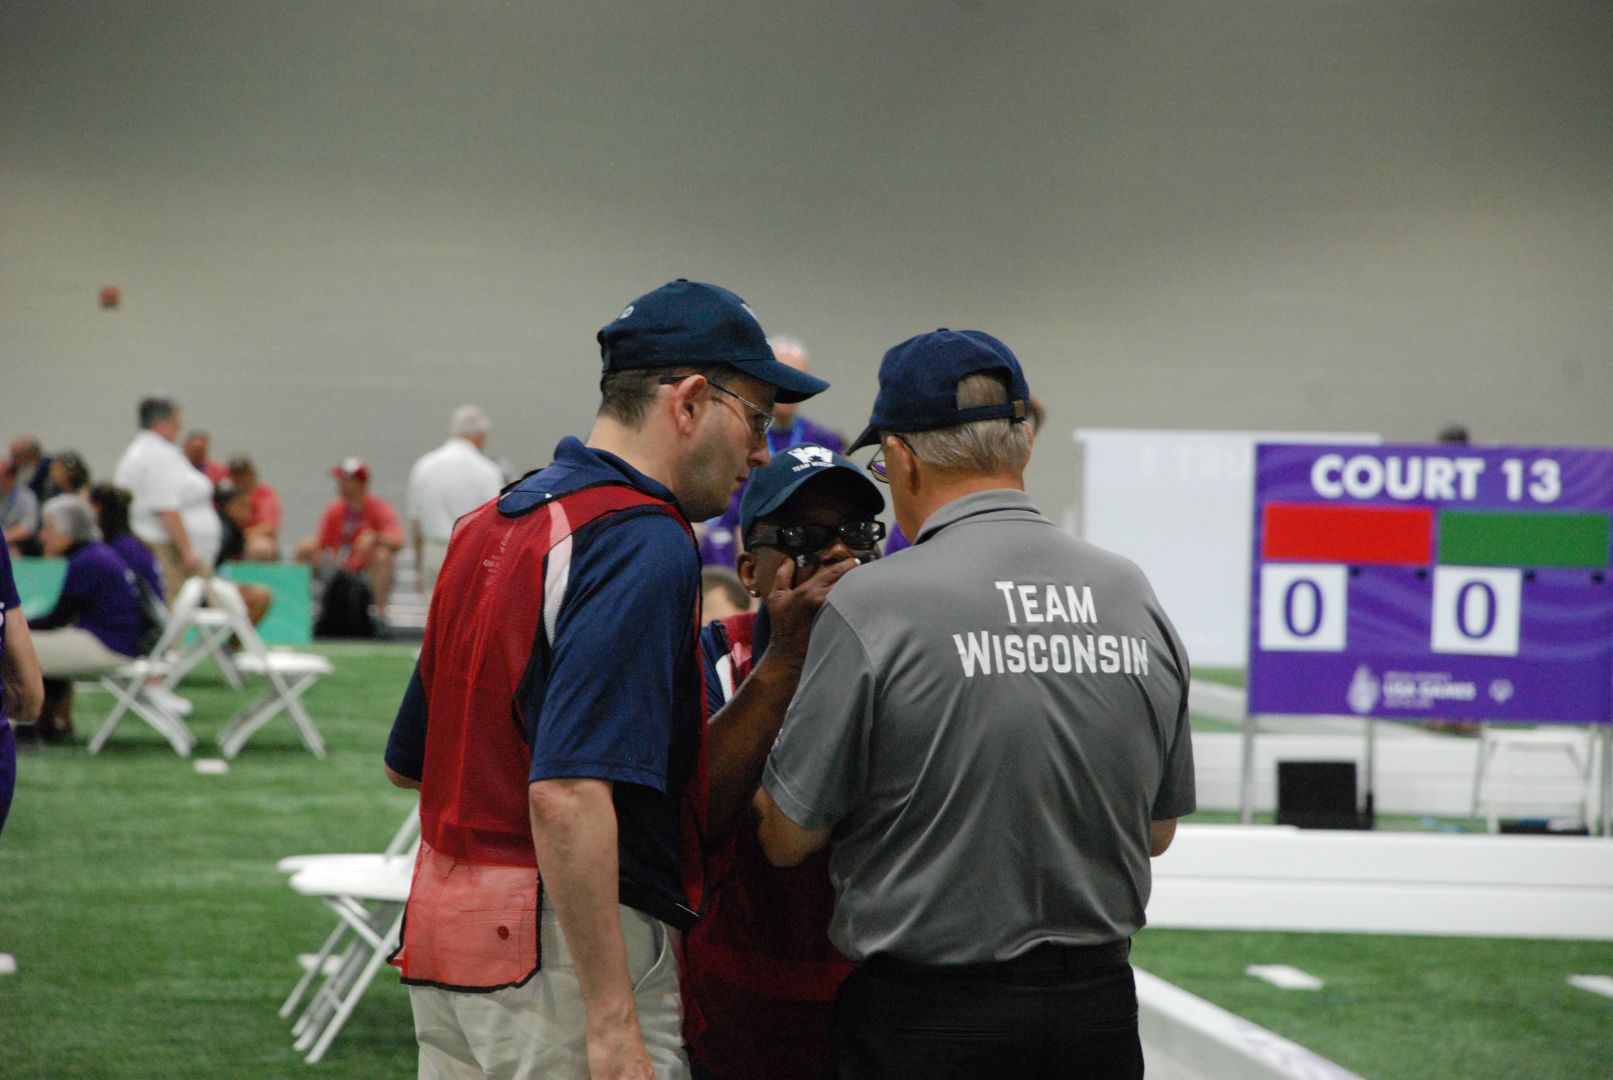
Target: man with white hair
(98, 622)
(994, 730)
(719, 537)
(445, 484)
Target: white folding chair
(214, 627)
(287, 674)
(1575, 745)
(140, 687)
(404, 843)
(367, 893)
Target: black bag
(345, 610)
(153, 616)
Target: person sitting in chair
(98, 623)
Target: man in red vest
(553, 723)
(760, 975)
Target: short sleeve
(269, 512)
(406, 745)
(384, 519)
(623, 640)
(1178, 795)
(818, 769)
(713, 657)
(411, 498)
(8, 583)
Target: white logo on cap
(626, 311)
(812, 455)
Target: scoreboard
(1432, 581)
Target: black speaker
(1319, 795)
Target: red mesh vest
(759, 975)
(472, 919)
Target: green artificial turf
(155, 938)
(153, 935)
(1409, 1008)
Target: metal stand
(1246, 793)
(1368, 812)
(1606, 807)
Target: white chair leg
(300, 718)
(314, 970)
(125, 698)
(244, 723)
(353, 995)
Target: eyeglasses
(805, 539)
(877, 467)
(758, 423)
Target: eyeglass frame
(876, 465)
(773, 538)
(761, 414)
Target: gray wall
(334, 221)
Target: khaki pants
(431, 557)
(538, 1031)
(70, 652)
(172, 568)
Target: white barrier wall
(1180, 504)
(1229, 877)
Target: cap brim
(792, 385)
(869, 437)
(785, 494)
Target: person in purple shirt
(19, 671)
(719, 537)
(111, 505)
(97, 623)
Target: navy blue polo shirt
(614, 698)
(714, 648)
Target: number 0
(1290, 604)
(1464, 608)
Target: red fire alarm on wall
(110, 296)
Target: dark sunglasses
(804, 539)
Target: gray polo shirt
(988, 721)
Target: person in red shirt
(359, 532)
(197, 443)
(262, 528)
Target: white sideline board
(1180, 504)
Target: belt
(1047, 959)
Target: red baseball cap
(352, 466)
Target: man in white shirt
(172, 507)
(445, 484)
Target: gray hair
(155, 408)
(468, 422)
(73, 516)
(982, 446)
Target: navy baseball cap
(689, 322)
(918, 384)
(771, 486)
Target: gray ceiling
(334, 221)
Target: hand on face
(795, 584)
(792, 607)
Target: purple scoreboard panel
(1441, 581)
